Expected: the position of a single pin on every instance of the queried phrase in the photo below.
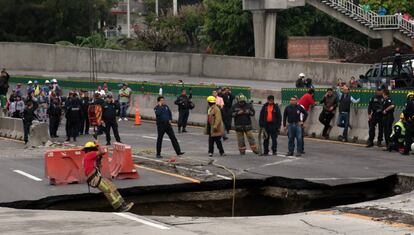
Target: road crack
(315, 226)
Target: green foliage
(392, 6)
(159, 39)
(229, 29)
(50, 20)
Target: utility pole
(128, 20)
(175, 7)
(156, 7)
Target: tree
(51, 20)
(229, 29)
(392, 6)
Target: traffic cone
(137, 118)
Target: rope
(234, 185)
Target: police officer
(375, 117)
(388, 116)
(409, 122)
(109, 110)
(73, 116)
(228, 99)
(164, 117)
(84, 124)
(184, 104)
(55, 113)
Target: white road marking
(27, 175)
(142, 221)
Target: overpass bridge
(384, 27)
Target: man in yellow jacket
(214, 127)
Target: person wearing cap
(29, 88)
(294, 117)
(388, 117)
(163, 119)
(125, 101)
(109, 111)
(270, 120)
(92, 168)
(300, 83)
(215, 127)
(409, 122)
(46, 87)
(242, 113)
(73, 116)
(375, 117)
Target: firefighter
(92, 166)
(398, 135)
(214, 127)
(409, 122)
(242, 113)
(375, 117)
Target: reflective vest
(402, 126)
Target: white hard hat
(47, 81)
(30, 82)
(54, 80)
(301, 75)
(412, 147)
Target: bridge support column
(270, 44)
(264, 23)
(387, 38)
(259, 23)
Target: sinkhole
(271, 196)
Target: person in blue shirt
(164, 117)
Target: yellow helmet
(90, 144)
(211, 99)
(410, 94)
(402, 116)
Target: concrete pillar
(259, 26)
(270, 41)
(387, 38)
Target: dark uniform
(28, 117)
(226, 111)
(84, 125)
(164, 116)
(388, 120)
(409, 124)
(109, 111)
(55, 112)
(375, 108)
(184, 104)
(73, 117)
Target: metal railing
(370, 18)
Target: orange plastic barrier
(122, 166)
(65, 166)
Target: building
(120, 27)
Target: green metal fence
(137, 87)
(399, 97)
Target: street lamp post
(175, 7)
(128, 20)
(156, 7)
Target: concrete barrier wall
(13, 128)
(54, 58)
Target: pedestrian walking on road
(375, 117)
(294, 117)
(184, 104)
(388, 116)
(330, 102)
(125, 101)
(345, 101)
(214, 127)
(228, 99)
(270, 120)
(242, 113)
(92, 165)
(164, 117)
(109, 110)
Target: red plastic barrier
(65, 166)
(122, 166)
